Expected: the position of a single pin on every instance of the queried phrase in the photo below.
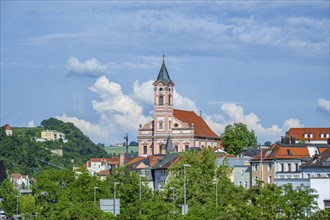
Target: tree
(237, 136)
(8, 194)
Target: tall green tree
(237, 136)
(8, 193)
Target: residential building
(20, 181)
(317, 171)
(160, 170)
(143, 166)
(52, 135)
(310, 135)
(280, 164)
(241, 174)
(186, 128)
(8, 130)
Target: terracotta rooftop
(318, 133)
(190, 117)
(103, 173)
(276, 151)
(7, 127)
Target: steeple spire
(163, 75)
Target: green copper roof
(163, 75)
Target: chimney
(121, 159)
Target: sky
(92, 63)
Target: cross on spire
(163, 58)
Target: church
(172, 129)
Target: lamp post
(17, 206)
(184, 188)
(261, 163)
(114, 195)
(95, 187)
(216, 194)
(140, 193)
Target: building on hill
(309, 135)
(20, 181)
(8, 130)
(185, 128)
(52, 135)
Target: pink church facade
(172, 129)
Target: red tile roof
(276, 151)
(299, 133)
(103, 173)
(190, 117)
(7, 127)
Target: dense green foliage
(236, 137)
(22, 154)
(61, 194)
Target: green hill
(22, 154)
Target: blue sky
(263, 63)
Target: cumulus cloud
(31, 124)
(120, 113)
(91, 67)
(233, 113)
(323, 105)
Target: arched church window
(169, 99)
(161, 100)
(161, 125)
(161, 89)
(145, 149)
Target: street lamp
(140, 193)
(114, 204)
(95, 187)
(184, 188)
(17, 206)
(216, 194)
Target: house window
(161, 125)
(321, 135)
(282, 167)
(161, 100)
(245, 184)
(269, 179)
(255, 167)
(305, 135)
(239, 183)
(297, 167)
(311, 135)
(289, 167)
(145, 149)
(242, 172)
(269, 166)
(327, 135)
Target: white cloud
(120, 113)
(31, 124)
(233, 113)
(323, 105)
(91, 67)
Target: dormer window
(311, 135)
(321, 135)
(327, 135)
(305, 135)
